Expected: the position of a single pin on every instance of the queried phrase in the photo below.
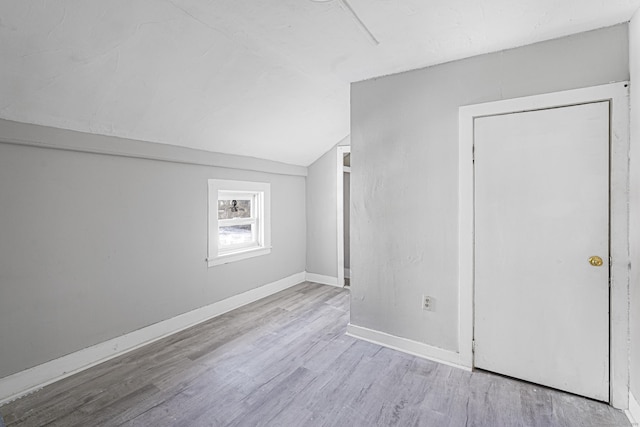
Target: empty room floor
(285, 361)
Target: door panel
(541, 210)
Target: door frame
(618, 96)
(341, 151)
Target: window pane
(232, 235)
(228, 209)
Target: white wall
(322, 241)
(634, 214)
(404, 233)
(95, 246)
(346, 193)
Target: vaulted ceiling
(261, 78)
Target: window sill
(237, 256)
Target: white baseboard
(347, 273)
(408, 346)
(32, 379)
(322, 279)
(633, 413)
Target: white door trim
(618, 96)
(342, 149)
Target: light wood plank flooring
(286, 361)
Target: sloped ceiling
(261, 78)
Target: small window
(239, 223)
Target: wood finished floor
(286, 361)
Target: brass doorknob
(595, 261)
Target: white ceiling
(261, 78)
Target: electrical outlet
(428, 303)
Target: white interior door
(541, 212)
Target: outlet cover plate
(428, 303)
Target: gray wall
(404, 131)
(322, 241)
(634, 214)
(94, 246)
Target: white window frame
(260, 194)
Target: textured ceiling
(261, 78)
